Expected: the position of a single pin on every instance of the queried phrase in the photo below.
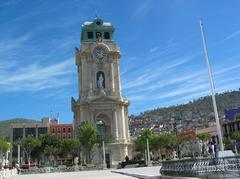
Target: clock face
(100, 53)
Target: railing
(228, 167)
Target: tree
(141, 141)
(87, 136)
(29, 144)
(169, 142)
(155, 144)
(236, 136)
(187, 138)
(204, 136)
(4, 147)
(50, 147)
(69, 147)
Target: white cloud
(226, 69)
(37, 77)
(142, 9)
(4, 64)
(183, 90)
(150, 76)
(153, 49)
(9, 3)
(10, 44)
(234, 34)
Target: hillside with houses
(195, 114)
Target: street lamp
(100, 128)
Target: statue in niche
(99, 36)
(100, 81)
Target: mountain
(5, 126)
(196, 113)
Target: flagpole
(219, 132)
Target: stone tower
(100, 95)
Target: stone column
(89, 76)
(123, 123)
(119, 122)
(119, 80)
(84, 77)
(116, 124)
(126, 150)
(112, 79)
(126, 123)
(92, 117)
(79, 79)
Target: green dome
(97, 30)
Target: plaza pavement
(141, 172)
(95, 174)
(129, 173)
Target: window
(90, 35)
(31, 131)
(17, 133)
(53, 130)
(98, 23)
(98, 35)
(69, 130)
(64, 136)
(106, 35)
(58, 129)
(42, 130)
(59, 136)
(64, 130)
(69, 135)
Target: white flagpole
(219, 132)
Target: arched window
(100, 80)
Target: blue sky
(162, 60)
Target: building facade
(36, 129)
(62, 131)
(100, 97)
(231, 123)
(22, 130)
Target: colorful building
(62, 131)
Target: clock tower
(100, 97)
